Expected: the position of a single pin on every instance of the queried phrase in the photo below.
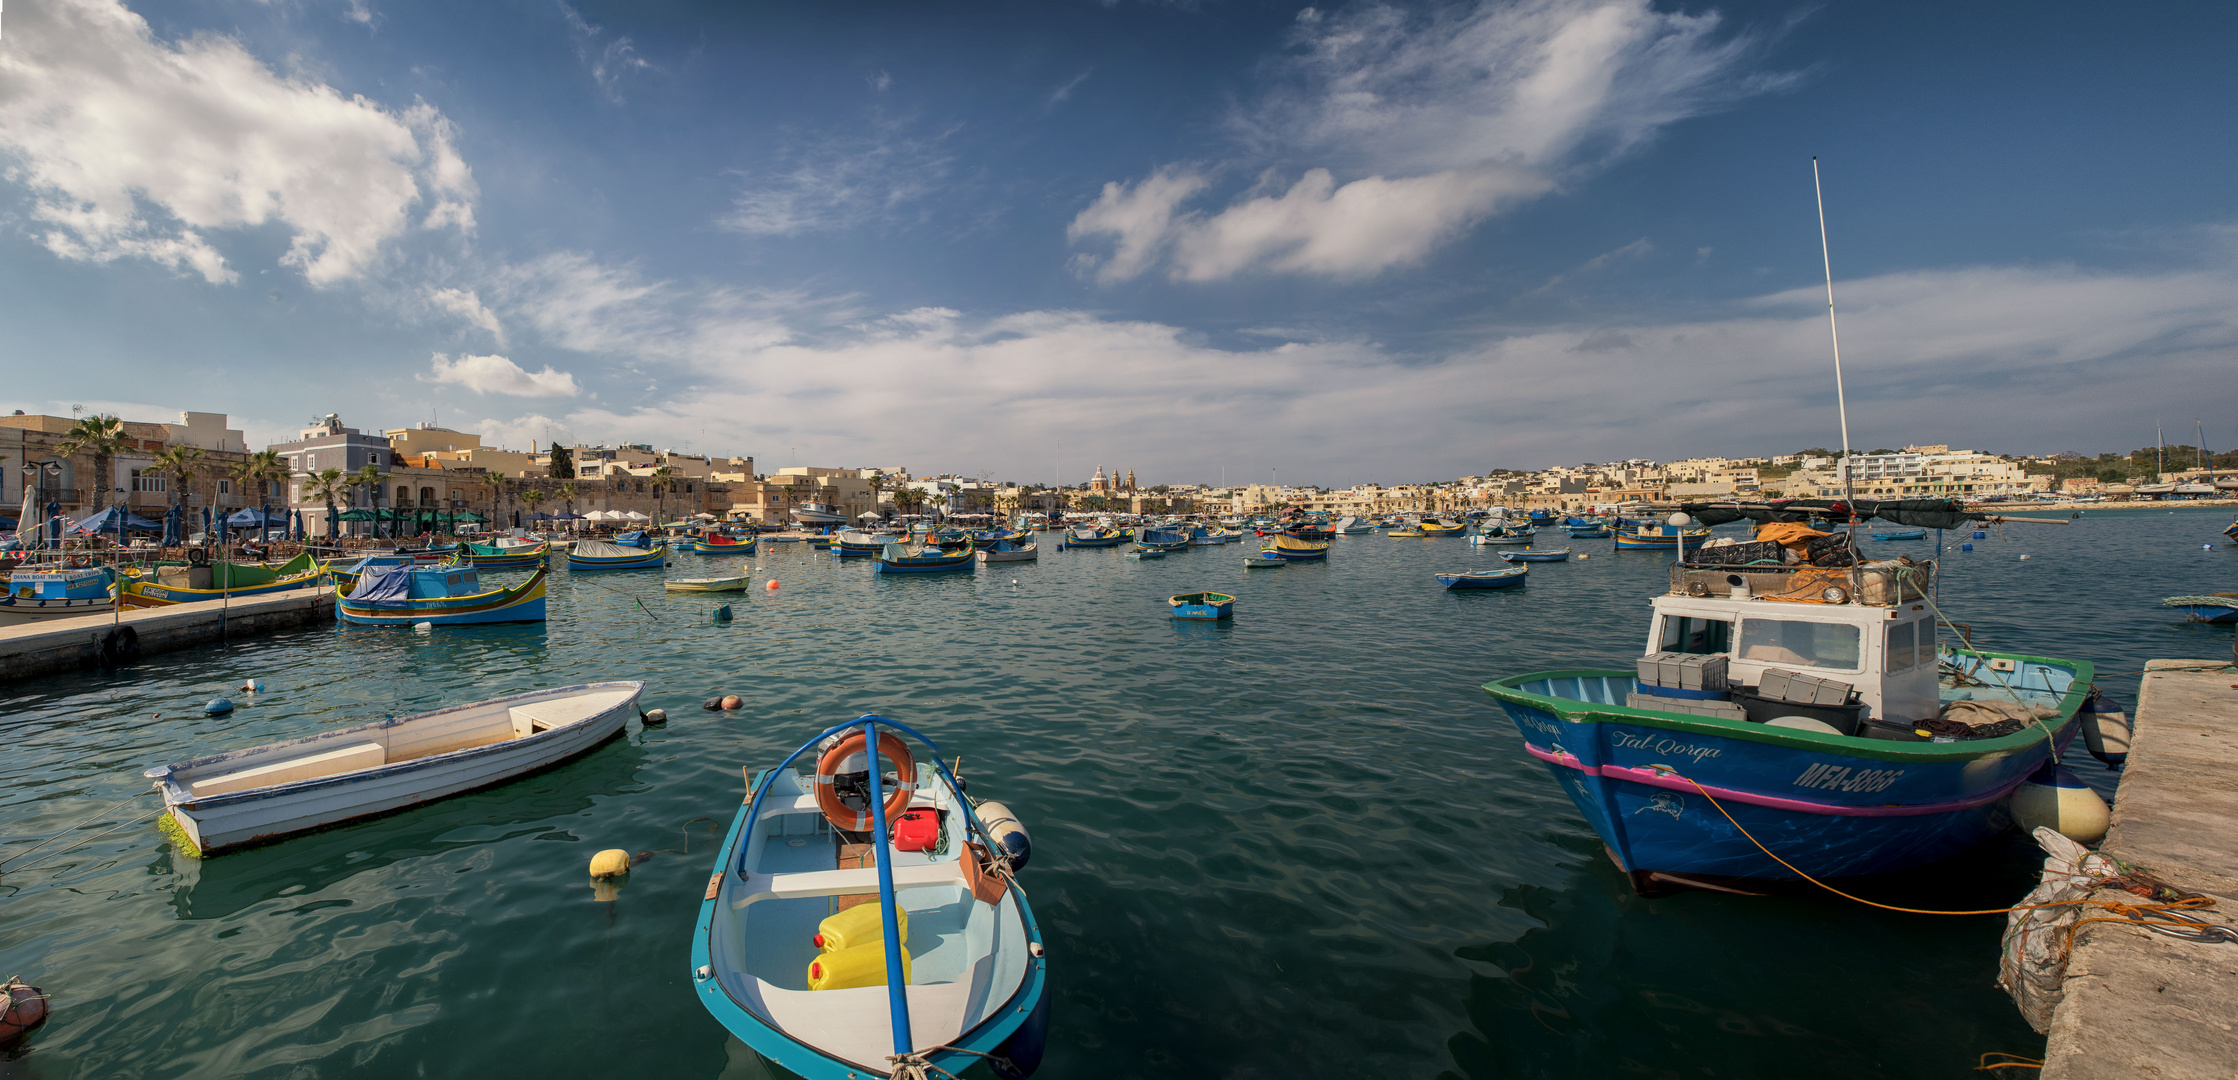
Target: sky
(1209, 242)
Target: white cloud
(467, 305)
(499, 375)
(837, 183)
(1140, 218)
(138, 148)
(1444, 119)
(610, 62)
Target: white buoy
(2024, 558)
(2056, 798)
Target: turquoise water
(1304, 844)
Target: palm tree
(567, 494)
(263, 468)
(326, 485)
(369, 477)
(532, 496)
(180, 463)
(102, 436)
(660, 495)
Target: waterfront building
(30, 443)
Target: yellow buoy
(613, 862)
(2056, 798)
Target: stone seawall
(58, 645)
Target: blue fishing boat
(1162, 540)
(860, 927)
(1484, 579)
(854, 544)
(1090, 536)
(2207, 608)
(486, 557)
(1540, 517)
(1648, 537)
(38, 595)
(635, 538)
(1202, 606)
(1803, 723)
(441, 595)
(599, 555)
(1146, 553)
(921, 559)
(714, 543)
(1595, 531)
(1537, 555)
(1290, 547)
(1899, 534)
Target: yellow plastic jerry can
(863, 965)
(858, 925)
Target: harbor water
(1299, 844)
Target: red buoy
(25, 1008)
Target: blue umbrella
(264, 528)
(298, 530)
(54, 523)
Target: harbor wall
(2137, 1003)
(58, 645)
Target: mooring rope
(96, 836)
(79, 825)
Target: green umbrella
(469, 517)
(355, 515)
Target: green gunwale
(1885, 750)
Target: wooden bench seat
(341, 759)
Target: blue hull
(1488, 581)
(1831, 805)
(530, 611)
(653, 561)
(885, 567)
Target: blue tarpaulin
(383, 583)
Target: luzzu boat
(921, 559)
(855, 929)
(1091, 536)
(600, 555)
(714, 543)
(487, 557)
(1660, 537)
(172, 583)
(851, 544)
(1290, 547)
(37, 595)
(1841, 784)
(1441, 528)
(439, 595)
(1162, 540)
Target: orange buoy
(22, 1008)
(772, 586)
(855, 746)
(733, 701)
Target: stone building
(30, 455)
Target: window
(427, 496)
(149, 480)
(1689, 634)
(1902, 646)
(403, 495)
(310, 463)
(373, 458)
(225, 487)
(1793, 642)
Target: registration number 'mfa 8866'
(1844, 778)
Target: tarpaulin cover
(1917, 513)
(383, 583)
(600, 549)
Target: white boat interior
(968, 958)
(389, 742)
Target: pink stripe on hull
(1672, 781)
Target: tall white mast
(1841, 399)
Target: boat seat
(341, 759)
(545, 715)
(842, 882)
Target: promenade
(56, 645)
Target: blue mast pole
(897, 993)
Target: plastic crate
(1794, 687)
(1724, 710)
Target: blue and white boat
(37, 595)
(1537, 555)
(949, 973)
(1206, 606)
(600, 555)
(1091, 536)
(1840, 784)
(921, 559)
(438, 595)
(1484, 579)
(2207, 607)
(1163, 540)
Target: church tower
(1130, 480)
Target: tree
(181, 463)
(531, 497)
(370, 478)
(326, 485)
(567, 494)
(562, 465)
(263, 468)
(660, 491)
(102, 436)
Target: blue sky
(1349, 242)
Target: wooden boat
(485, 557)
(1405, 533)
(1204, 606)
(1502, 539)
(1595, 531)
(920, 559)
(228, 800)
(1091, 536)
(635, 538)
(1290, 547)
(855, 544)
(599, 555)
(345, 577)
(714, 543)
(39, 595)
(1484, 579)
(1441, 528)
(1199, 536)
(1309, 532)
(1009, 551)
(1146, 553)
(428, 553)
(1263, 562)
(1659, 537)
(1833, 789)
(2207, 608)
(706, 584)
(172, 583)
(975, 981)
(1542, 555)
(439, 595)
(1899, 534)
(1162, 540)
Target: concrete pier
(55, 645)
(2138, 1004)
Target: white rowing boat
(706, 584)
(267, 792)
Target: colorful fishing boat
(174, 584)
(486, 557)
(856, 544)
(715, 543)
(1537, 555)
(1091, 536)
(39, 595)
(600, 555)
(1649, 537)
(1502, 538)
(1202, 606)
(1009, 551)
(920, 559)
(635, 538)
(1162, 540)
(1290, 547)
(1309, 532)
(1484, 579)
(856, 927)
(1802, 724)
(1406, 533)
(438, 595)
(2206, 608)
(1595, 531)
(1199, 536)
(243, 797)
(345, 577)
(1442, 528)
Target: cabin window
(1692, 634)
(1903, 644)
(453, 579)
(1795, 643)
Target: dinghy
(250, 796)
(1202, 605)
(1484, 579)
(867, 923)
(1263, 562)
(1537, 555)
(705, 584)
(1009, 551)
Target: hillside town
(429, 479)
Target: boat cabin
(1871, 629)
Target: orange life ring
(827, 791)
